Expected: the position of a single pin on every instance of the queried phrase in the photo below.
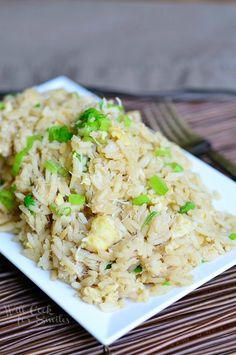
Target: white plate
(107, 327)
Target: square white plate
(107, 327)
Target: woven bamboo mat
(203, 322)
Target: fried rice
(103, 202)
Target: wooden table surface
(204, 322)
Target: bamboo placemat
(203, 322)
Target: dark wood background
(137, 45)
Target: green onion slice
(2, 105)
(56, 168)
(29, 201)
(20, 156)
(64, 211)
(138, 269)
(166, 283)
(119, 107)
(13, 188)
(53, 207)
(18, 160)
(108, 266)
(140, 200)
(126, 120)
(158, 185)
(149, 218)
(92, 120)
(189, 205)
(60, 211)
(177, 168)
(7, 198)
(232, 236)
(105, 104)
(76, 199)
(104, 125)
(163, 152)
(88, 116)
(32, 139)
(59, 133)
(101, 104)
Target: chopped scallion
(12, 188)
(32, 139)
(166, 283)
(29, 201)
(53, 207)
(158, 185)
(7, 198)
(108, 266)
(64, 211)
(149, 218)
(104, 124)
(101, 104)
(163, 152)
(189, 205)
(138, 269)
(2, 105)
(56, 168)
(232, 236)
(20, 156)
(18, 160)
(119, 107)
(37, 105)
(177, 168)
(92, 120)
(140, 200)
(126, 120)
(104, 104)
(60, 211)
(59, 133)
(76, 199)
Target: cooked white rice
(102, 248)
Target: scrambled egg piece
(117, 132)
(182, 226)
(59, 200)
(102, 235)
(28, 245)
